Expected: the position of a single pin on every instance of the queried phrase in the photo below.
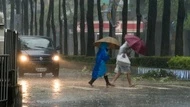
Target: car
(37, 54)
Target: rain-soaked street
(71, 90)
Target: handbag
(123, 58)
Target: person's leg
(129, 79)
(107, 81)
(116, 77)
(91, 82)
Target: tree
(165, 42)
(75, 37)
(65, 28)
(4, 13)
(31, 19)
(124, 19)
(152, 14)
(60, 29)
(82, 28)
(52, 22)
(35, 18)
(41, 21)
(25, 23)
(12, 14)
(1, 6)
(179, 28)
(48, 19)
(90, 25)
(18, 16)
(139, 16)
(100, 19)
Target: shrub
(85, 59)
(179, 62)
(151, 61)
(158, 74)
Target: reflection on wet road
(71, 90)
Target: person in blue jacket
(100, 68)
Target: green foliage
(161, 75)
(160, 4)
(158, 74)
(179, 62)
(151, 61)
(174, 10)
(85, 59)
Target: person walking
(123, 68)
(100, 68)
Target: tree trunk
(165, 41)
(82, 28)
(4, 12)
(41, 21)
(53, 24)
(1, 6)
(60, 29)
(35, 19)
(65, 28)
(31, 19)
(48, 19)
(100, 19)
(110, 29)
(139, 16)
(152, 14)
(26, 23)
(124, 19)
(90, 40)
(22, 17)
(75, 37)
(12, 15)
(18, 16)
(179, 28)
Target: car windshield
(36, 43)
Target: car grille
(40, 58)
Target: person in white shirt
(123, 68)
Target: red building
(131, 27)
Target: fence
(4, 78)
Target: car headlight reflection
(23, 58)
(55, 58)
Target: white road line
(160, 88)
(179, 86)
(127, 88)
(84, 88)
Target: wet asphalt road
(71, 90)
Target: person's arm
(129, 52)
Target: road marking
(179, 86)
(160, 88)
(84, 88)
(127, 88)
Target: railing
(4, 77)
(180, 74)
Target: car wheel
(43, 74)
(20, 73)
(56, 73)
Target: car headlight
(23, 58)
(55, 58)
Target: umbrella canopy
(112, 42)
(136, 44)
